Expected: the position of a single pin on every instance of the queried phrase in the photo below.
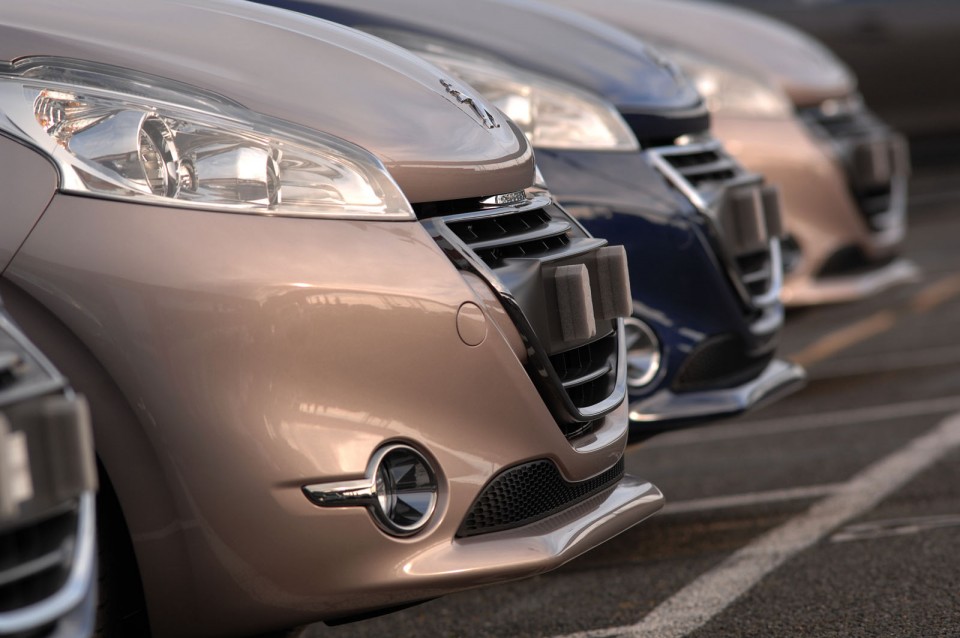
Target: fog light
(643, 352)
(399, 490)
(406, 490)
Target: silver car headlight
(117, 134)
(552, 114)
(727, 90)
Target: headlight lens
(121, 135)
(727, 90)
(551, 114)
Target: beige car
(343, 354)
(787, 108)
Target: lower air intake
(530, 492)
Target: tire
(121, 608)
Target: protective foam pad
(771, 211)
(574, 302)
(614, 283)
(747, 227)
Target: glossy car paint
(231, 359)
(807, 169)
(616, 195)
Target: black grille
(586, 372)
(702, 166)
(714, 181)
(530, 233)
(579, 385)
(530, 492)
(35, 559)
(864, 142)
(717, 363)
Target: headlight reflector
(121, 135)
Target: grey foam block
(614, 283)
(574, 302)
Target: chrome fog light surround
(400, 490)
(643, 352)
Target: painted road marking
(888, 362)
(845, 338)
(926, 299)
(748, 499)
(707, 596)
(894, 527)
(936, 294)
(839, 418)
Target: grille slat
(35, 559)
(543, 233)
(514, 235)
(530, 492)
(588, 377)
(586, 372)
(32, 567)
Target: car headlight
(727, 90)
(550, 113)
(122, 135)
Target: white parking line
(748, 499)
(895, 527)
(703, 599)
(721, 432)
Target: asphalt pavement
(835, 512)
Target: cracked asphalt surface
(891, 570)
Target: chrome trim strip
(78, 583)
(363, 492)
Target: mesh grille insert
(530, 492)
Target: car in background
(622, 140)
(48, 479)
(896, 49)
(343, 354)
(787, 108)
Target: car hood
(806, 70)
(529, 34)
(300, 69)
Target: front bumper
(777, 380)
